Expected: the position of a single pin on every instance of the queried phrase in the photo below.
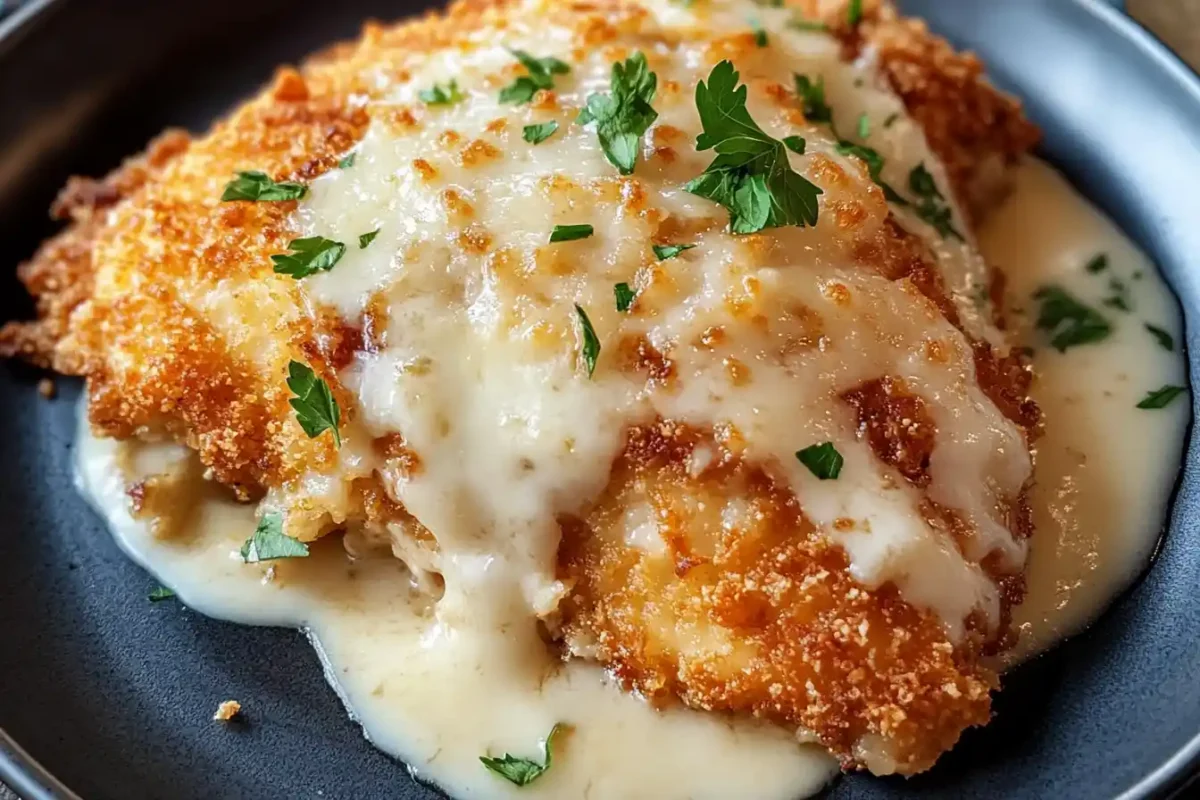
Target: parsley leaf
(316, 409)
(591, 343)
(751, 176)
(624, 296)
(1120, 298)
(258, 186)
(623, 115)
(1069, 322)
(536, 134)
(1098, 264)
(309, 256)
(795, 143)
(822, 460)
(365, 239)
(854, 12)
(1165, 340)
(812, 99)
(665, 251)
(1162, 397)
(522, 771)
(541, 76)
(269, 542)
(441, 95)
(864, 126)
(931, 207)
(348, 161)
(807, 25)
(567, 233)
(891, 120)
(159, 593)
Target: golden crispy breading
(747, 608)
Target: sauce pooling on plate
(441, 695)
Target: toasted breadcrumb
(227, 711)
(46, 388)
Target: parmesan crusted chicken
(657, 325)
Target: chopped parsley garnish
(822, 460)
(932, 207)
(751, 176)
(309, 256)
(1098, 264)
(760, 34)
(591, 343)
(365, 239)
(795, 143)
(441, 95)
(874, 163)
(269, 542)
(523, 771)
(624, 296)
(1119, 299)
(864, 126)
(160, 593)
(258, 187)
(854, 12)
(1069, 322)
(891, 120)
(316, 409)
(536, 134)
(812, 99)
(1165, 340)
(348, 161)
(807, 25)
(664, 251)
(541, 76)
(624, 114)
(566, 233)
(1162, 397)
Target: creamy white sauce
(439, 696)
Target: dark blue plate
(113, 695)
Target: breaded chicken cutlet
(677, 315)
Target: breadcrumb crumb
(227, 711)
(47, 389)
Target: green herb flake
(160, 593)
(441, 94)
(664, 251)
(348, 161)
(874, 162)
(854, 13)
(795, 143)
(922, 184)
(316, 409)
(1069, 322)
(258, 187)
(623, 115)
(541, 72)
(822, 460)
(365, 239)
(751, 176)
(590, 349)
(1097, 264)
(808, 25)
(624, 296)
(523, 771)
(1120, 298)
(269, 542)
(567, 233)
(1162, 397)
(891, 120)
(864, 126)
(932, 207)
(1165, 340)
(536, 134)
(812, 98)
(308, 257)
(760, 34)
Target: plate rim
(27, 778)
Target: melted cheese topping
(478, 366)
